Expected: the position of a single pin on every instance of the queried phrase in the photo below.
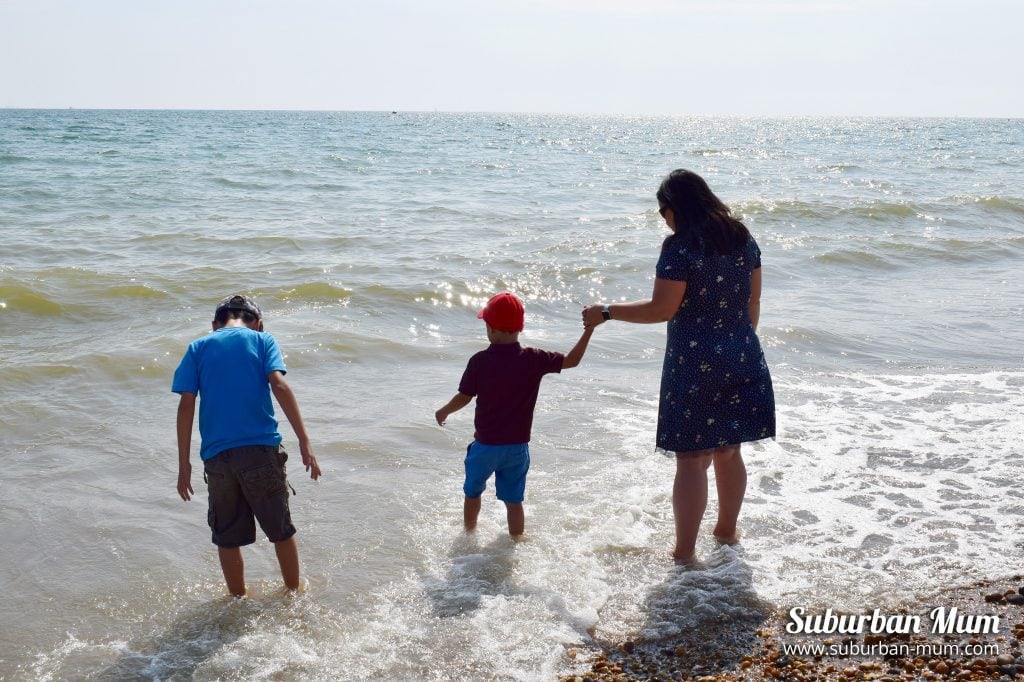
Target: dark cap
(243, 303)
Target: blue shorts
(508, 463)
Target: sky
(644, 57)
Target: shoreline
(767, 651)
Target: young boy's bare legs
(234, 569)
(288, 558)
(731, 481)
(470, 513)
(689, 500)
(514, 512)
(516, 518)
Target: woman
(716, 392)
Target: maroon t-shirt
(505, 379)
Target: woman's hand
(592, 315)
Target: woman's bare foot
(684, 560)
(730, 539)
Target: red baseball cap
(504, 312)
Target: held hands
(592, 316)
(185, 482)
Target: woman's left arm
(663, 304)
(755, 297)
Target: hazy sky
(767, 57)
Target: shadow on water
(700, 621)
(197, 636)
(476, 571)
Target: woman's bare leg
(689, 500)
(731, 482)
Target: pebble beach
(741, 652)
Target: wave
(135, 291)
(240, 184)
(891, 255)
(872, 209)
(438, 212)
(783, 208)
(710, 153)
(260, 243)
(78, 287)
(858, 258)
(13, 376)
(997, 203)
(13, 158)
(24, 299)
(38, 193)
(410, 295)
(313, 291)
(838, 167)
(880, 210)
(330, 187)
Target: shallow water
(891, 321)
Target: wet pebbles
(749, 653)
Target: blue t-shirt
(229, 371)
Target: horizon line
(522, 112)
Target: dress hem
(692, 453)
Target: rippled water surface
(891, 319)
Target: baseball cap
(504, 312)
(243, 303)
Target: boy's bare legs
(234, 569)
(689, 500)
(470, 512)
(731, 481)
(514, 512)
(288, 558)
(516, 518)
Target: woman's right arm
(663, 304)
(755, 297)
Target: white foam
(883, 485)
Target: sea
(891, 320)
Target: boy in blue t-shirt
(505, 378)
(233, 371)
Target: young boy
(505, 378)
(234, 370)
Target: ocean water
(891, 319)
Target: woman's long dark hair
(701, 217)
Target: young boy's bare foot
(684, 560)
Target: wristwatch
(606, 312)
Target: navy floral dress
(715, 385)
